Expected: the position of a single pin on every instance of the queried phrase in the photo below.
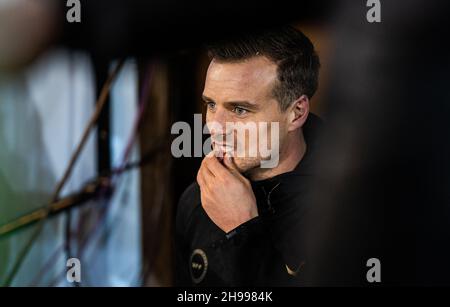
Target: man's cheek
(269, 145)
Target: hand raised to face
(226, 195)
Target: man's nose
(217, 122)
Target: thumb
(231, 165)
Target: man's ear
(298, 113)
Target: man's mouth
(222, 148)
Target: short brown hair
(298, 63)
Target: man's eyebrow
(245, 104)
(207, 99)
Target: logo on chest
(198, 265)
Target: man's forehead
(253, 75)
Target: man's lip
(223, 148)
(222, 145)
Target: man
(241, 223)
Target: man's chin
(246, 165)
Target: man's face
(241, 92)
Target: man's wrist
(248, 224)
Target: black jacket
(265, 251)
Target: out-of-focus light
(26, 28)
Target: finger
(215, 167)
(218, 153)
(205, 168)
(231, 165)
(206, 175)
(203, 180)
(200, 178)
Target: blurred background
(384, 162)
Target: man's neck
(291, 154)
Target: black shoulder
(189, 201)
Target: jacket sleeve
(182, 274)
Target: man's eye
(211, 105)
(240, 111)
